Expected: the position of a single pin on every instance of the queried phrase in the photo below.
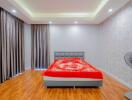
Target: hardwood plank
(30, 86)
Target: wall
(67, 38)
(115, 41)
(27, 44)
(75, 38)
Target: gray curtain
(40, 46)
(11, 45)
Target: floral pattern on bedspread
(73, 64)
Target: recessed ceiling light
(50, 22)
(14, 11)
(110, 10)
(75, 22)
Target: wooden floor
(29, 86)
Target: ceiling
(60, 6)
(63, 11)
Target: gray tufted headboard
(60, 55)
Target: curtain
(40, 46)
(11, 45)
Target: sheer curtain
(11, 45)
(40, 46)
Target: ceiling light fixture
(14, 11)
(75, 22)
(110, 10)
(50, 22)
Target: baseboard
(40, 69)
(118, 79)
(27, 68)
(17, 74)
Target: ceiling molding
(60, 15)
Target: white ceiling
(63, 11)
(61, 6)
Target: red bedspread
(72, 67)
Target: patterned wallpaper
(115, 40)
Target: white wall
(115, 41)
(27, 44)
(75, 38)
(67, 38)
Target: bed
(69, 69)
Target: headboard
(60, 55)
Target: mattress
(72, 69)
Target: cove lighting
(61, 15)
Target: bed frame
(59, 55)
